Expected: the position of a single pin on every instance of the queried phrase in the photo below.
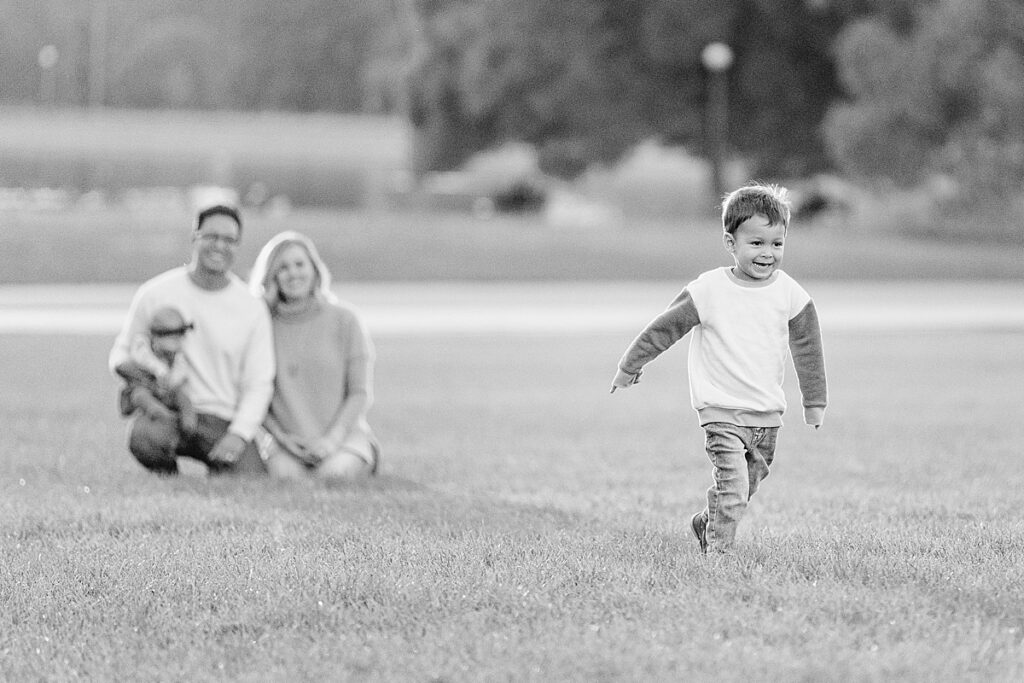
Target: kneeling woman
(317, 424)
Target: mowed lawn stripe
(487, 308)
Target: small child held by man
(154, 374)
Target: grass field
(528, 526)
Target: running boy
(746, 319)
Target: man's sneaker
(700, 530)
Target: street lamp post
(98, 52)
(47, 59)
(717, 58)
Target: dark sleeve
(662, 332)
(134, 374)
(808, 356)
(140, 385)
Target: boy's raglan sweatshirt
(743, 334)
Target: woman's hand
(321, 449)
(299, 448)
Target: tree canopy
(585, 80)
(901, 89)
(301, 55)
(940, 90)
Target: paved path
(544, 308)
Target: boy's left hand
(814, 416)
(624, 380)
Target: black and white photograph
(512, 340)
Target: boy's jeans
(741, 457)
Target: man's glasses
(211, 238)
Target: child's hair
(771, 201)
(168, 321)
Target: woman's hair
(771, 201)
(263, 278)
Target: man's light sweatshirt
(229, 355)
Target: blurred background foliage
(922, 100)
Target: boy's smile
(756, 247)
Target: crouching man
(228, 356)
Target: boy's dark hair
(771, 201)
(219, 210)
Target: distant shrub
(522, 195)
(938, 208)
(654, 180)
(506, 179)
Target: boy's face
(756, 247)
(166, 346)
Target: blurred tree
(392, 53)
(586, 79)
(582, 79)
(938, 91)
(27, 26)
(20, 41)
(446, 131)
(178, 62)
(305, 55)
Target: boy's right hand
(623, 379)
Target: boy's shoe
(700, 530)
